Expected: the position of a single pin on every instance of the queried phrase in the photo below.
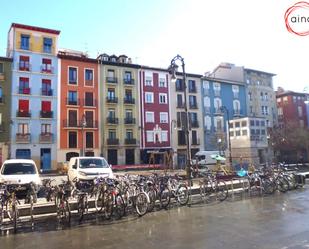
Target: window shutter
(23, 105)
(46, 106)
(46, 61)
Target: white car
(19, 171)
(88, 168)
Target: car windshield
(93, 163)
(18, 169)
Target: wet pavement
(280, 221)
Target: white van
(206, 157)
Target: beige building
(194, 104)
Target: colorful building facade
(34, 93)
(78, 119)
(5, 105)
(119, 94)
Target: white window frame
(149, 136)
(148, 80)
(164, 136)
(164, 95)
(162, 82)
(149, 94)
(147, 117)
(163, 117)
(90, 69)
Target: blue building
(222, 100)
(34, 94)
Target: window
(111, 95)
(1, 68)
(112, 134)
(252, 123)
(23, 128)
(89, 139)
(72, 75)
(192, 101)
(128, 75)
(207, 120)
(46, 109)
(46, 88)
(24, 86)
(89, 116)
(250, 95)
(243, 123)
(149, 117)
(179, 101)
(72, 118)
(164, 136)
(244, 132)
(300, 111)
(262, 123)
(266, 96)
(148, 81)
(237, 124)
(45, 128)
(46, 65)
(148, 97)
(194, 137)
(129, 134)
(163, 98)
(163, 117)
(47, 45)
(72, 139)
(261, 96)
(162, 82)
(24, 63)
(217, 88)
(181, 138)
(23, 106)
(111, 113)
(179, 85)
(89, 99)
(192, 86)
(266, 110)
(149, 136)
(263, 132)
(88, 77)
(257, 122)
(72, 98)
(24, 42)
(237, 133)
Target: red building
(155, 112)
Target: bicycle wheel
(182, 194)
(108, 205)
(15, 216)
(99, 201)
(152, 193)
(283, 184)
(292, 181)
(268, 186)
(165, 197)
(9, 209)
(119, 207)
(81, 207)
(1, 213)
(64, 212)
(141, 203)
(221, 190)
(31, 199)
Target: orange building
(78, 114)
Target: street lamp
(224, 109)
(83, 125)
(172, 69)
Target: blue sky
(151, 32)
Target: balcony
(70, 123)
(46, 114)
(192, 90)
(46, 138)
(23, 138)
(129, 100)
(128, 81)
(24, 90)
(195, 141)
(180, 105)
(25, 46)
(193, 105)
(111, 80)
(48, 70)
(2, 76)
(74, 102)
(22, 66)
(194, 124)
(23, 114)
(46, 92)
(129, 120)
(112, 120)
(112, 141)
(89, 124)
(90, 102)
(130, 141)
(111, 99)
(237, 113)
(217, 111)
(180, 87)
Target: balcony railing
(130, 141)
(24, 90)
(46, 92)
(180, 88)
(110, 99)
(128, 81)
(192, 90)
(195, 141)
(217, 111)
(23, 138)
(129, 120)
(23, 114)
(24, 67)
(90, 102)
(194, 124)
(25, 47)
(180, 105)
(193, 105)
(46, 114)
(129, 100)
(88, 82)
(46, 137)
(112, 141)
(112, 120)
(44, 69)
(72, 101)
(89, 123)
(70, 123)
(111, 80)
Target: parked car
(88, 168)
(20, 171)
(206, 158)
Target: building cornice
(34, 28)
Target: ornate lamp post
(224, 109)
(172, 69)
